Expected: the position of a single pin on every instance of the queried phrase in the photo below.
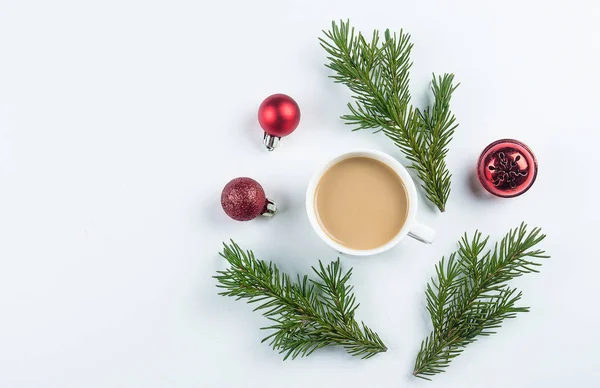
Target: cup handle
(422, 233)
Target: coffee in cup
(363, 203)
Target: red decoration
(507, 168)
(244, 199)
(278, 115)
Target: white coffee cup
(411, 226)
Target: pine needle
(470, 297)
(377, 73)
(307, 314)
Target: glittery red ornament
(278, 115)
(244, 199)
(507, 168)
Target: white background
(121, 121)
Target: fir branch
(377, 73)
(470, 296)
(307, 314)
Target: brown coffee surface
(361, 203)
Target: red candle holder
(507, 168)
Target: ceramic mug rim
(402, 173)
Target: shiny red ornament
(244, 199)
(507, 168)
(278, 115)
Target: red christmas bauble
(279, 115)
(244, 199)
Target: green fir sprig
(377, 73)
(470, 297)
(307, 314)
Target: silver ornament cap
(270, 141)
